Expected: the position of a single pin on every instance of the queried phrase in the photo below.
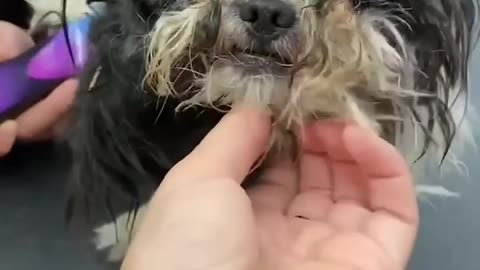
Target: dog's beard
(334, 56)
(336, 63)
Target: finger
(8, 131)
(46, 113)
(350, 186)
(315, 173)
(184, 225)
(391, 188)
(230, 149)
(320, 141)
(314, 197)
(325, 137)
(275, 188)
(201, 199)
(345, 180)
(378, 158)
(206, 200)
(14, 41)
(54, 133)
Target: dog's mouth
(259, 60)
(258, 55)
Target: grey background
(32, 235)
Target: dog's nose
(267, 17)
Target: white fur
(115, 237)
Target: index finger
(230, 150)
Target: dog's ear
(121, 133)
(105, 162)
(442, 33)
(18, 12)
(110, 141)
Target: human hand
(354, 205)
(352, 208)
(41, 121)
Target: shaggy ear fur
(442, 34)
(18, 12)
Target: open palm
(353, 206)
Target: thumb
(230, 150)
(8, 133)
(209, 222)
(208, 217)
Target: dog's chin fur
(162, 73)
(331, 42)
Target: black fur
(120, 140)
(124, 138)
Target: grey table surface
(33, 236)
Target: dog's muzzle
(267, 20)
(265, 30)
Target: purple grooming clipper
(30, 77)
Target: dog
(162, 73)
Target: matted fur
(166, 71)
(333, 42)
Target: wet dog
(163, 72)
